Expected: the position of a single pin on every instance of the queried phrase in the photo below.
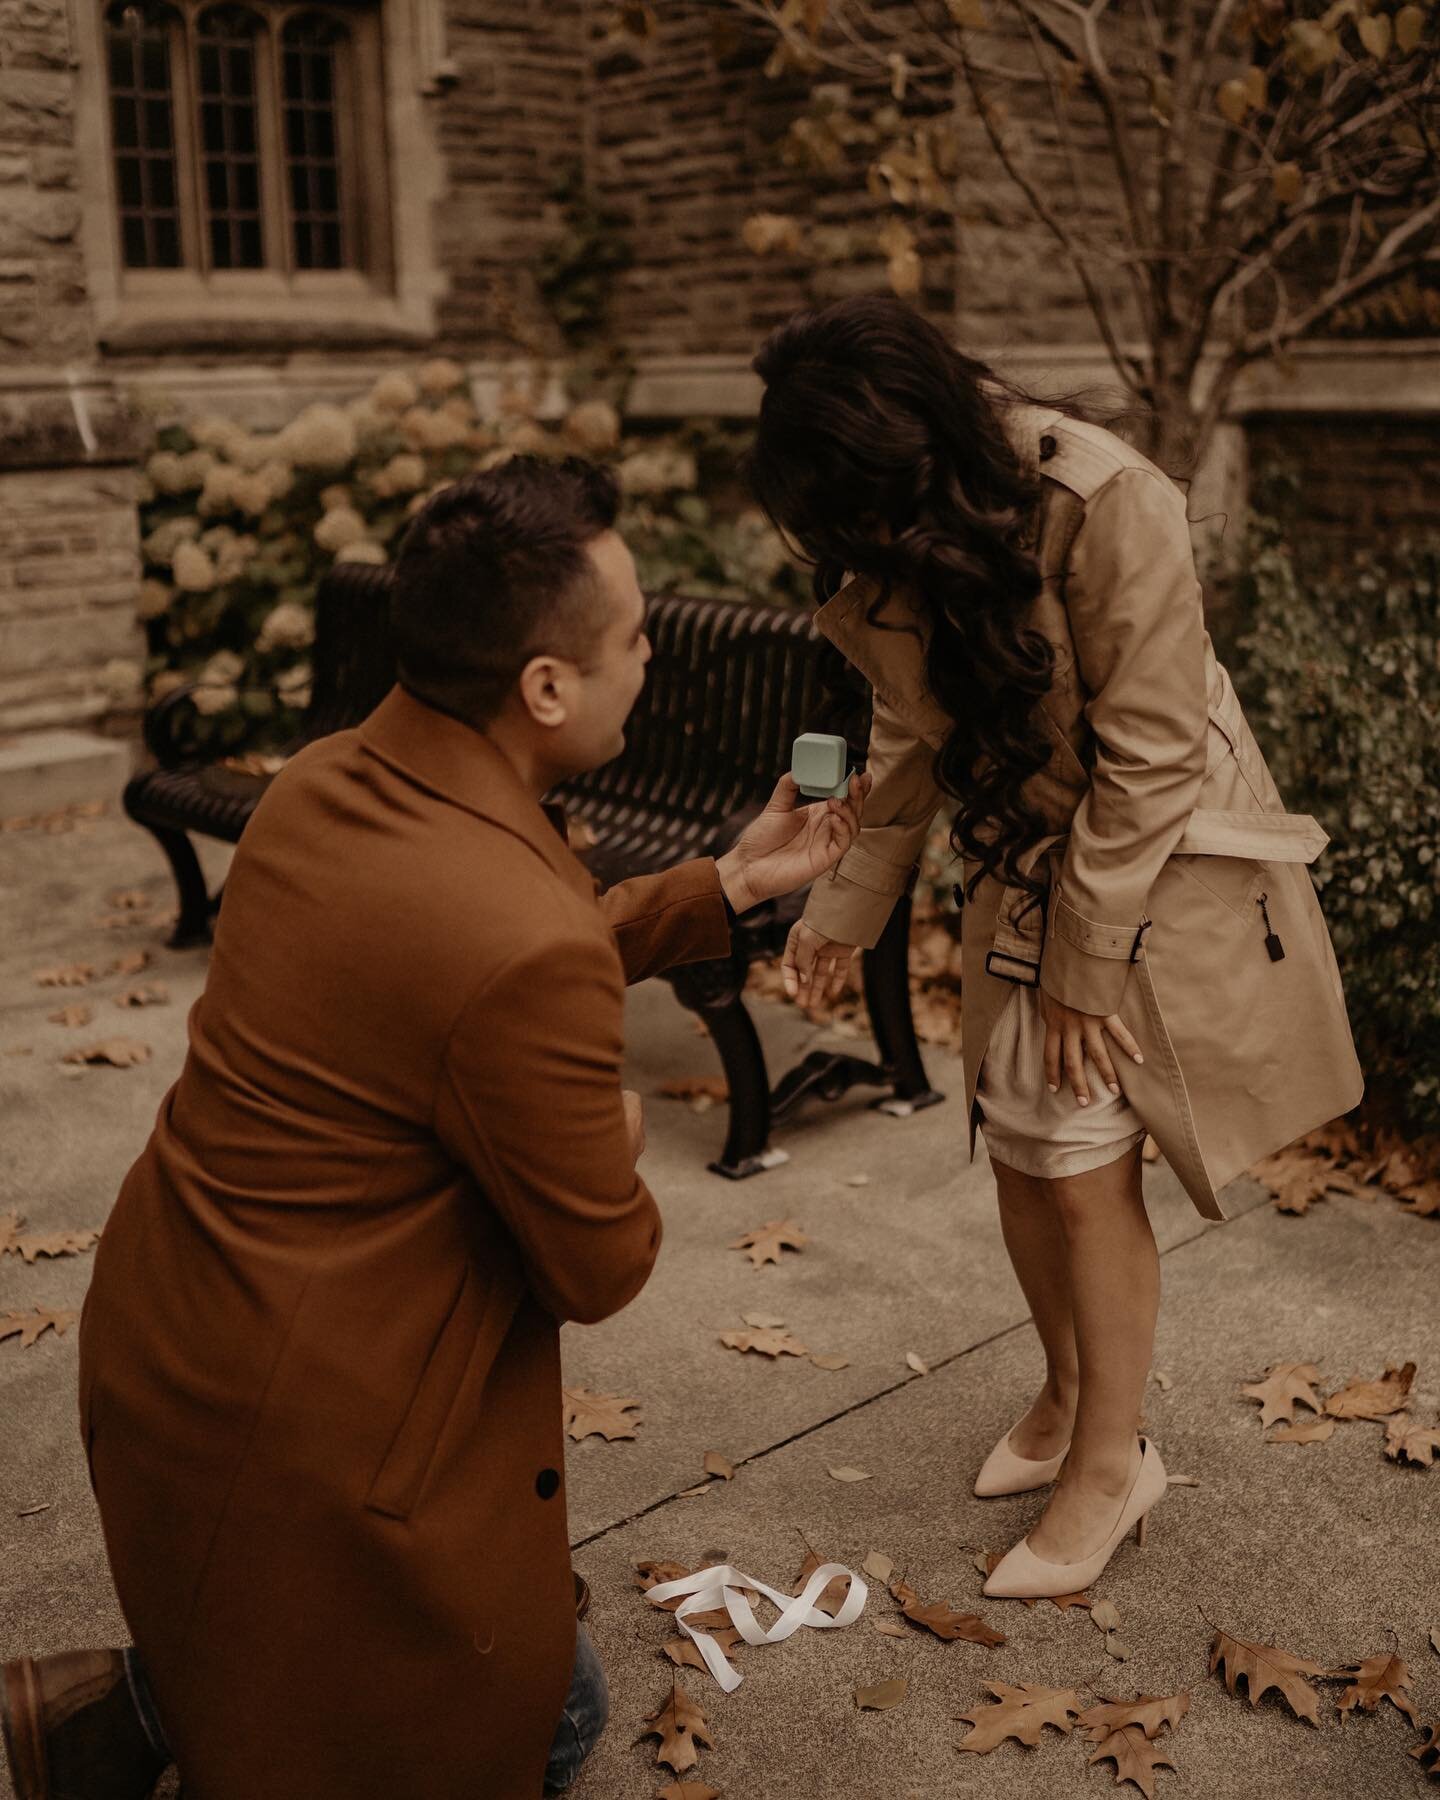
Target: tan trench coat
(319, 1359)
(1167, 830)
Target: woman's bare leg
(1040, 1255)
(1114, 1281)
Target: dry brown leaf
(1428, 1752)
(693, 1087)
(1135, 1757)
(147, 993)
(943, 1620)
(891, 1628)
(877, 1566)
(74, 1014)
(117, 1052)
(1017, 1712)
(1296, 1177)
(988, 1564)
(912, 1361)
(1116, 1646)
(1285, 1385)
(1372, 1399)
(52, 1243)
(1264, 1667)
(589, 1414)
(716, 1464)
(1303, 1431)
(846, 1473)
(831, 1361)
(29, 1327)
(133, 962)
(1377, 1678)
(857, 1180)
(1422, 1199)
(835, 1591)
(763, 1319)
(765, 1341)
(693, 1493)
(685, 1652)
(65, 975)
(1150, 1714)
(764, 1244)
(1405, 1441)
(655, 1574)
(127, 899)
(1162, 1381)
(680, 1726)
(882, 1696)
(1105, 1614)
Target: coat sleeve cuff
(1085, 964)
(850, 912)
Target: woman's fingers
(796, 962)
(1123, 1037)
(1100, 1056)
(1052, 1057)
(839, 967)
(1073, 1052)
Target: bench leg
(196, 906)
(887, 999)
(712, 989)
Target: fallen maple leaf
(1150, 1714)
(1422, 1199)
(680, 1726)
(1135, 1757)
(716, 1464)
(65, 975)
(52, 1243)
(1382, 1677)
(882, 1696)
(1303, 1431)
(1264, 1667)
(117, 1052)
(1284, 1385)
(943, 1620)
(1017, 1712)
(1406, 1441)
(148, 993)
(589, 1414)
(684, 1652)
(74, 1014)
(765, 1242)
(1296, 1177)
(766, 1341)
(29, 1327)
(1372, 1399)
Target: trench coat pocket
(476, 1323)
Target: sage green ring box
(817, 762)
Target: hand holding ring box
(818, 763)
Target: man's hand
(634, 1122)
(789, 845)
(814, 966)
(1070, 1036)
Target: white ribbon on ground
(708, 1589)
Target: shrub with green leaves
(1338, 668)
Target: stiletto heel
(1021, 1574)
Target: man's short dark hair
(493, 571)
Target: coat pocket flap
(1263, 836)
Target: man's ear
(543, 690)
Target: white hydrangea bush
(239, 526)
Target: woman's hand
(1070, 1036)
(789, 845)
(814, 967)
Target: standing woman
(1141, 943)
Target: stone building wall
(1369, 479)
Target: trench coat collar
(447, 757)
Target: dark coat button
(547, 1484)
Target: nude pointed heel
(1021, 1574)
(1003, 1472)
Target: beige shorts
(1025, 1125)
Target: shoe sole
(22, 1715)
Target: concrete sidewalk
(1326, 1550)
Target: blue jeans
(582, 1719)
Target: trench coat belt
(1021, 920)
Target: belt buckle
(1033, 980)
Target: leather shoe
(71, 1729)
(582, 1594)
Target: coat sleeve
(852, 903)
(660, 921)
(1137, 621)
(528, 1099)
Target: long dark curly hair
(873, 422)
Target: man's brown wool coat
(319, 1360)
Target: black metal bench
(728, 688)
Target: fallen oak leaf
(1405, 1441)
(53, 1243)
(30, 1327)
(1372, 1399)
(116, 1053)
(127, 899)
(75, 1014)
(65, 975)
(680, 1726)
(1017, 1712)
(835, 1592)
(1135, 1757)
(1421, 1199)
(1105, 1615)
(1263, 1666)
(589, 1414)
(1428, 1753)
(652, 1574)
(688, 1087)
(1150, 1714)
(716, 1464)
(684, 1652)
(891, 1628)
(1303, 1431)
(765, 1341)
(1377, 1678)
(1297, 1177)
(133, 962)
(765, 1243)
(148, 993)
(882, 1696)
(944, 1621)
(877, 1566)
(1285, 1385)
